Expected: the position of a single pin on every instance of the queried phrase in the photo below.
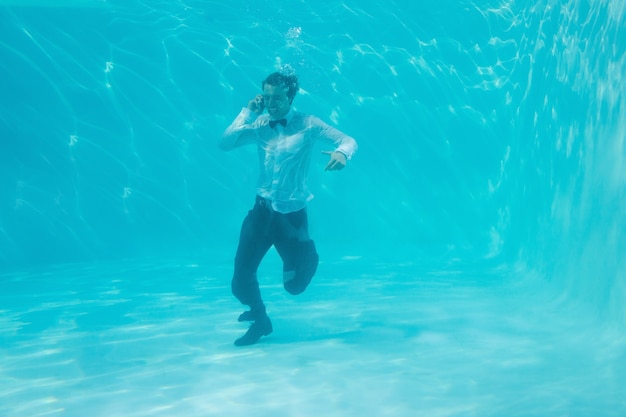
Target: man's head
(279, 90)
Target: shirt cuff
(247, 115)
(347, 152)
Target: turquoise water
(472, 254)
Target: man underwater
(285, 139)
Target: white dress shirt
(284, 153)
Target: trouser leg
(254, 242)
(297, 250)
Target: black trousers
(262, 228)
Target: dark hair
(288, 81)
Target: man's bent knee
(295, 284)
(296, 287)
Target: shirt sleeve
(242, 131)
(343, 143)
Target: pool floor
(155, 338)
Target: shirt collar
(288, 116)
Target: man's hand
(256, 104)
(337, 161)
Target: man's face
(275, 100)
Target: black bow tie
(273, 123)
